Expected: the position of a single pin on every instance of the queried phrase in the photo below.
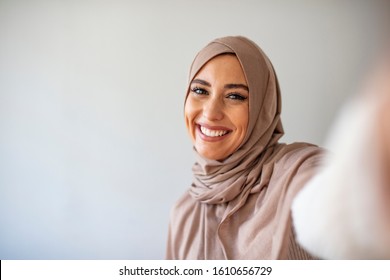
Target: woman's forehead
(223, 66)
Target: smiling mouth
(212, 132)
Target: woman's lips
(212, 133)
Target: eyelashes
(236, 96)
(233, 96)
(198, 90)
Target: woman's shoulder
(184, 199)
(298, 153)
(184, 204)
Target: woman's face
(216, 109)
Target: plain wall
(93, 147)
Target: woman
(245, 181)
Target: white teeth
(212, 133)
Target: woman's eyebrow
(232, 86)
(227, 86)
(202, 82)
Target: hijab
(243, 202)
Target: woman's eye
(200, 91)
(236, 96)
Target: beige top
(239, 208)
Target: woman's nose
(213, 109)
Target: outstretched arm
(344, 211)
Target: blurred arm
(344, 211)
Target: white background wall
(93, 147)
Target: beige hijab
(239, 208)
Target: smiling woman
(253, 197)
(238, 206)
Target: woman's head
(233, 99)
(216, 109)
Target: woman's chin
(212, 155)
